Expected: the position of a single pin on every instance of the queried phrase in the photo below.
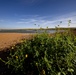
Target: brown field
(10, 39)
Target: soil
(10, 39)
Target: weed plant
(44, 55)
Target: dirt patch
(10, 39)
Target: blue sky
(43, 13)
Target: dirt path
(9, 39)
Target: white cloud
(45, 21)
(21, 22)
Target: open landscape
(22, 43)
(11, 37)
(37, 37)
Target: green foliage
(44, 55)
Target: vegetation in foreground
(44, 55)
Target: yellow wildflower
(16, 57)
(26, 55)
(43, 72)
(12, 47)
(36, 64)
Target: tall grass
(44, 55)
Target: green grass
(44, 55)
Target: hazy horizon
(24, 14)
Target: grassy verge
(43, 55)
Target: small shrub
(44, 55)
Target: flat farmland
(10, 39)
